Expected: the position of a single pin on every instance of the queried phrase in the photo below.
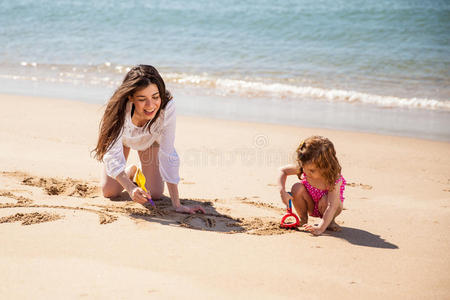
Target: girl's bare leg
(111, 187)
(150, 168)
(303, 203)
(323, 204)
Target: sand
(61, 238)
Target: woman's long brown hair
(139, 77)
(320, 151)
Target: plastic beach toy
(140, 181)
(289, 213)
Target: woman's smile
(149, 112)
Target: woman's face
(146, 103)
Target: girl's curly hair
(320, 151)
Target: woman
(141, 116)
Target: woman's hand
(285, 196)
(139, 195)
(190, 209)
(313, 229)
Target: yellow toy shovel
(140, 180)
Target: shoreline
(356, 117)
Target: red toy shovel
(290, 214)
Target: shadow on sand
(164, 214)
(363, 238)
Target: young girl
(141, 116)
(320, 190)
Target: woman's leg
(150, 168)
(110, 187)
(302, 201)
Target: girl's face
(146, 103)
(311, 171)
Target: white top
(139, 138)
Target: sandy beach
(62, 239)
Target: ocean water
(386, 57)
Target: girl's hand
(285, 196)
(139, 195)
(190, 209)
(313, 229)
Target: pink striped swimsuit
(316, 194)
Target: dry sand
(77, 244)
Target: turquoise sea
(378, 66)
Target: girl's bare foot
(334, 227)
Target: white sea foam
(253, 88)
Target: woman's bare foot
(334, 227)
(131, 171)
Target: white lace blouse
(139, 138)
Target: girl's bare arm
(283, 174)
(333, 204)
